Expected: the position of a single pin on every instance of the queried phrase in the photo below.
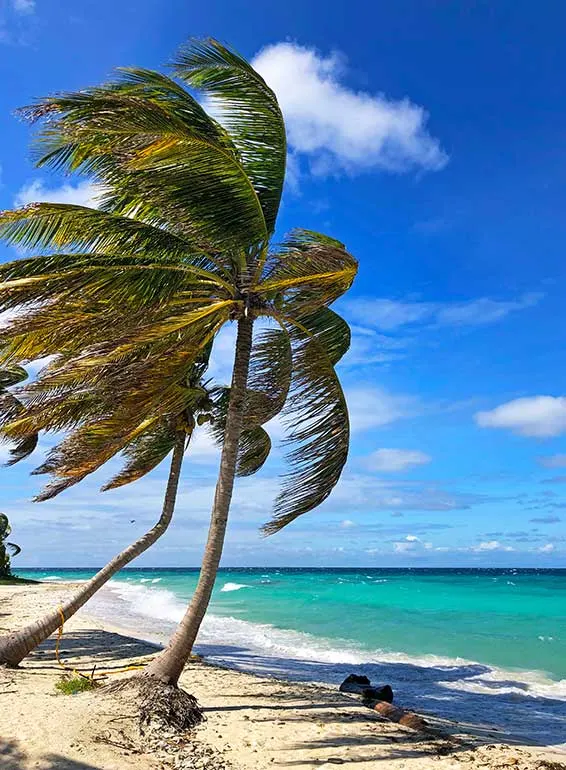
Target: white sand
(252, 723)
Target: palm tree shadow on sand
(496, 710)
(12, 757)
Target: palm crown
(128, 296)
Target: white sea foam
(424, 683)
(52, 577)
(233, 587)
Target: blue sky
(429, 137)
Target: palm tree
(45, 405)
(183, 239)
(7, 549)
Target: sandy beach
(252, 722)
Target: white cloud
(548, 548)
(492, 545)
(539, 416)
(374, 407)
(347, 524)
(82, 194)
(403, 547)
(387, 314)
(395, 460)
(369, 347)
(553, 461)
(412, 539)
(24, 6)
(341, 129)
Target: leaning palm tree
(183, 240)
(7, 549)
(47, 404)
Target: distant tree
(7, 549)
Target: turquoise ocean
(483, 646)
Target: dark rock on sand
(360, 685)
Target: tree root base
(159, 705)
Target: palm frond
(253, 451)
(12, 375)
(105, 235)
(14, 548)
(316, 417)
(145, 453)
(162, 156)
(307, 271)
(248, 109)
(331, 330)
(269, 375)
(10, 409)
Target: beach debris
(380, 699)
(361, 685)
(402, 717)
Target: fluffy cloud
(553, 461)
(539, 416)
(395, 460)
(82, 194)
(548, 548)
(388, 315)
(340, 129)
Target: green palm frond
(14, 548)
(106, 234)
(5, 528)
(10, 409)
(144, 453)
(330, 329)
(253, 451)
(269, 375)
(12, 376)
(145, 134)
(248, 109)
(307, 271)
(316, 418)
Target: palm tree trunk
(169, 664)
(15, 646)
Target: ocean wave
(233, 587)
(454, 688)
(52, 577)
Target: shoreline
(253, 722)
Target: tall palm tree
(7, 549)
(183, 238)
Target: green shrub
(71, 685)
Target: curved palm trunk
(15, 646)
(169, 664)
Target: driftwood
(402, 717)
(380, 699)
